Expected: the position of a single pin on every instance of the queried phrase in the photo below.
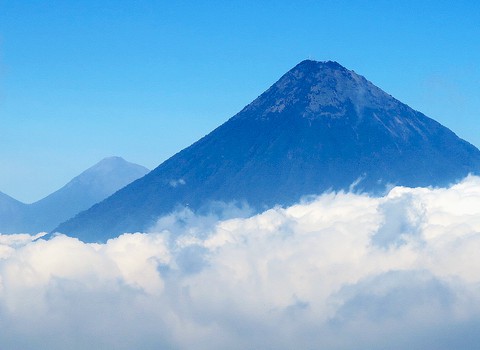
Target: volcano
(320, 127)
(91, 186)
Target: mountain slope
(319, 127)
(11, 213)
(88, 188)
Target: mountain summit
(320, 127)
(316, 90)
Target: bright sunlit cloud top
(343, 271)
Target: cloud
(175, 183)
(340, 271)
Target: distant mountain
(11, 213)
(88, 188)
(320, 127)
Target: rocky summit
(320, 127)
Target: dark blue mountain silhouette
(320, 127)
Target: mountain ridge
(89, 187)
(12, 209)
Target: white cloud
(342, 271)
(175, 183)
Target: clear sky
(83, 80)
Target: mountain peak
(316, 89)
(312, 65)
(113, 160)
(106, 169)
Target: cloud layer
(340, 271)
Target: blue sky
(83, 80)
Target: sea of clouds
(339, 271)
